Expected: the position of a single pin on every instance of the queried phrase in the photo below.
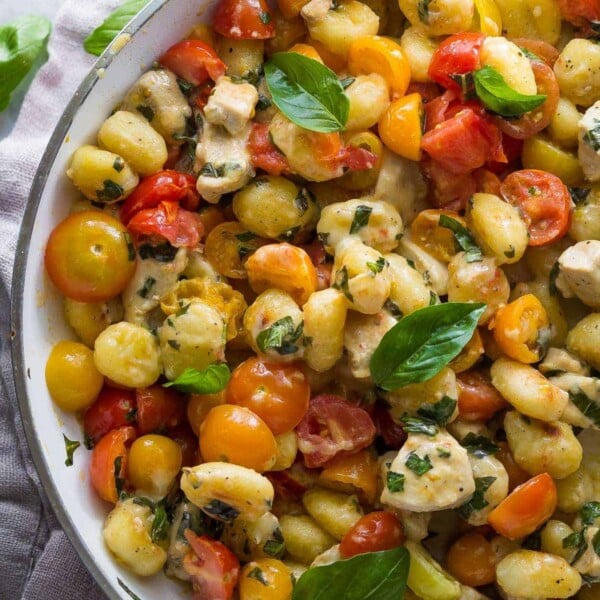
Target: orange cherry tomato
(89, 257)
(112, 408)
(235, 434)
(277, 393)
(438, 241)
(478, 399)
(193, 60)
(105, 460)
(526, 508)
(244, 20)
(356, 473)
(469, 355)
(374, 532)
(544, 202)
(401, 126)
(517, 327)
(199, 405)
(471, 560)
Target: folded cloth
(36, 559)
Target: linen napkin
(36, 559)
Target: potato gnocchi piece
(418, 48)
(577, 71)
(584, 339)
(335, 512)
(439, 17)
(369, 98)
(409, 291)
(250, 540)
(304, 538)
(533, 19)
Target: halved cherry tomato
(427, 233)
(392, 433)
(544, 50)
(288, 487)
(318, 256)
(544, 202)
(193, 60)
(526, 508)
(517, 328)
(400, 126)
(213, 568)
(357, 473)
(88, 257)
(333, 426)
(159, 409)
(104, 462)
(478, 399)
(471, 560)
(277, 393)
(464, 142)
(436, 110)
(244, 20)
(178, 226)
(374, 532)
(263, 153)
(580, 12)
(448, 190)
(112, 408)
(456, 55)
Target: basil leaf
(104, 34)
(590, 511)
(211, 380)
(576, 540)
(361, 218)
(307, 92)
(463, 238)
(395, 481)
(421, 344)
(70, 447)
(477, 501)
(22, 41)
(440, 412)
(586, 406)
(496, 95)
(281, 337)
(419, 466)
(416, 425)
(478, 445)
(369, 576)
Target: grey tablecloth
(36, 560)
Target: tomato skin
(392, 433)
(332, 426)
(214, 569)
(263, 153)
(471, 560)
(159, 409)
(188, 442)
(374, 532)
(164, 186)
(244, 20)
(112, 408)
(544, 202)
(478, 399)
(277, 393)
(88, 258)
(449, 191)
(456, 55)
(193, 60)
(111, 446)
(580, 12)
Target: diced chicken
(415, 525)
(435, 473)
(231, 105)
(157, 97)
(152, 281)
(589, 142)
(315, 10)
(223, 162)
(589, 563)
(558, 360)
(579, 273)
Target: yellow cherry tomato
(381, 55)
(352, 473)
(265, 579)
(306, 50)
(401, 126)
(427, 233)
(469, 355)
(540, 153)
(72, 378)
(199, 405)
(519, 328)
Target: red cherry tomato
(103, 464)
(456, 55)
(112, 408)
(288, 487)
(193, 60)
(357, 159)
(159, 409)
(544, 202)
(392, 433)
(580, 12)
(464, 142)
(178, 226)
(164, 186)
(263, 153)
(244, 20)
(448, 190)
(188, 441)
(478, 399)
(213, 568)
(374, 532)
(333, 426)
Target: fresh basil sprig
(421, 344)
(369, 576)
(22, 41)
(308, 93)
(97, 42)
(211, 380)
(496, 95)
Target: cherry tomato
(436, 110)
(235, 434)
(526, 508)
(213, 568)
(199, 405)
(178, 226)
(331, 426)
(544, 202)
(543, 50)
(193, 60)
(277, 393)
(516, 475)
(478, 399)
(188, 442)
(464, 142)
(244, 20)
(88, 257)
(113, 408)
(266, 579)
(456, 55)
(263, 153)
(580, 12)
(374, 532)
(448, 190)
(167, 186)
(159, 409)
(105, 460)
(360, 471)
(288, 487)
(392, 433)
(471, 560)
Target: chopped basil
(147, 287)
(119, 481)
(440, 412)
(361, 218)
(185, 86)
(433, 298)
(423, 10)
(211, 380)
(118, 164)
(70, 447)
(596, 543)
(276, 545)
(265, 18)
(110, 191)
(477, 501)
(419, 466)
(246, 236)
(174, 344)
(579, 195)
(162, 253)
(377, 266)
(589, 512)
(592, 138)
(281, 336)
(263, 102)
(466, 81)
(395, 481)
(393, 309)
(478, 445)
(130, 246)
(222, 511)
(346, 82)
(301, 201)
(183, 310)
(576, 540)
(586, 405)
(341, 283)
(88, 442)
(145, 111)
(210, 170)
(552, 277)
(131, 415)
(160, 524)
(289, 235)
(127, 590)
(417, 425)
(463, 237)
(257, 574)
(442, 452)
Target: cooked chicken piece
(580, 272)
(589, 142)
(231, 105)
